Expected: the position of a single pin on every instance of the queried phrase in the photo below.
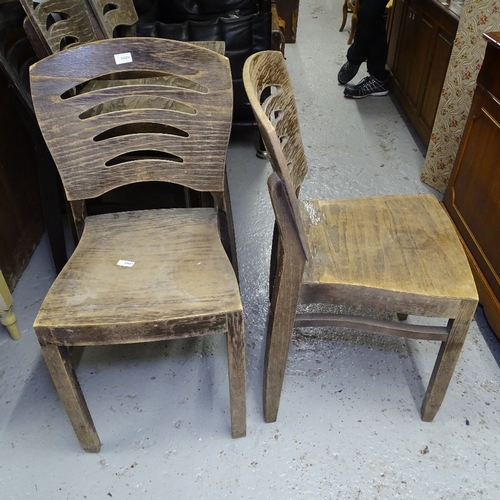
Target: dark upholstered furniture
(246, 27)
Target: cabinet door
(473, 196)
(419, 52)
(433, 85)
(424, 36)
(398, 12)
(21, 221)
(404, 58)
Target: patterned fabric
(478, 17)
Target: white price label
(124, 58)
(125, 263)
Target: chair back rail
(279, 127)
(151, 118)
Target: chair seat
(404, 245)
(185, 275)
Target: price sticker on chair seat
(124, 58)
(125, 263)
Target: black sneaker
(347, 72)
(367, 86)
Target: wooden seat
(392, 254)
(350, 7)
(146, 275)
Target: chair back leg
(284, 300)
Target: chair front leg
(446, 361)
(61, 369)
(344, 15)
(237, 374)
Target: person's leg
(370, 43)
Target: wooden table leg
(7, 316)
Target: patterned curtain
(478, 17)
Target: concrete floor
(349, 424)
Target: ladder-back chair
(393, 254)
(122, 111)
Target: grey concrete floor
(349, 424)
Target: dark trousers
(370, 40)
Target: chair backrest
(270, 93)
(127, 110)
(62, 23)
(113, 15)
(271, 97)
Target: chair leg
(261, 150)
(284, 301)
(230, 227)
(344, 15)
(354, 22)
(7, 316)
(59, 363)
(446, 361)
(237, 374)
(9, 320)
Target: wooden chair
(146, 275)
(350, 7)
(115, 19)
(388, 253)
(56, 24)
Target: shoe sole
(346, 82)
(374, 94)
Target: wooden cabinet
(420, 41)
(472, 197)
(21, 220)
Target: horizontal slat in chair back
(128, 110)
(61, 23)
(265, 74)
